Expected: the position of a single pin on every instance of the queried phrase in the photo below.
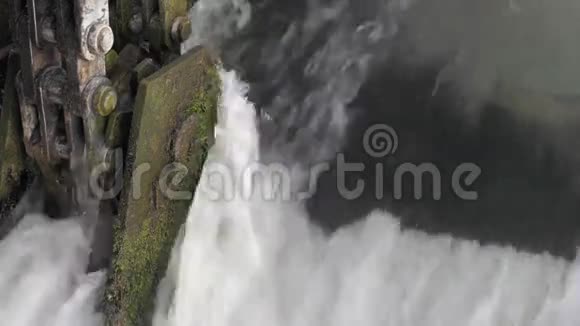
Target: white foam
(42, 275)
(256, 262)
(248, 261)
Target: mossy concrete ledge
(172, 121)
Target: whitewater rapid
(249, 261)
(43, 280)
(261, 262)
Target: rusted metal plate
(172, 104)
(11, 147)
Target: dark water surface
(443, 113)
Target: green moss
(135, 271)
(146, 231)
(204, 104)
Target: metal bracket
(95, 35)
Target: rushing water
(258, 259)
(261, 262)
(42, 277)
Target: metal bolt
(48, 29)
(136, 23)
(155, 32)
(100, 39)
(181, 29)
(105, 100)
(141, 71)
(185, 30)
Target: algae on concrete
(185, 90)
